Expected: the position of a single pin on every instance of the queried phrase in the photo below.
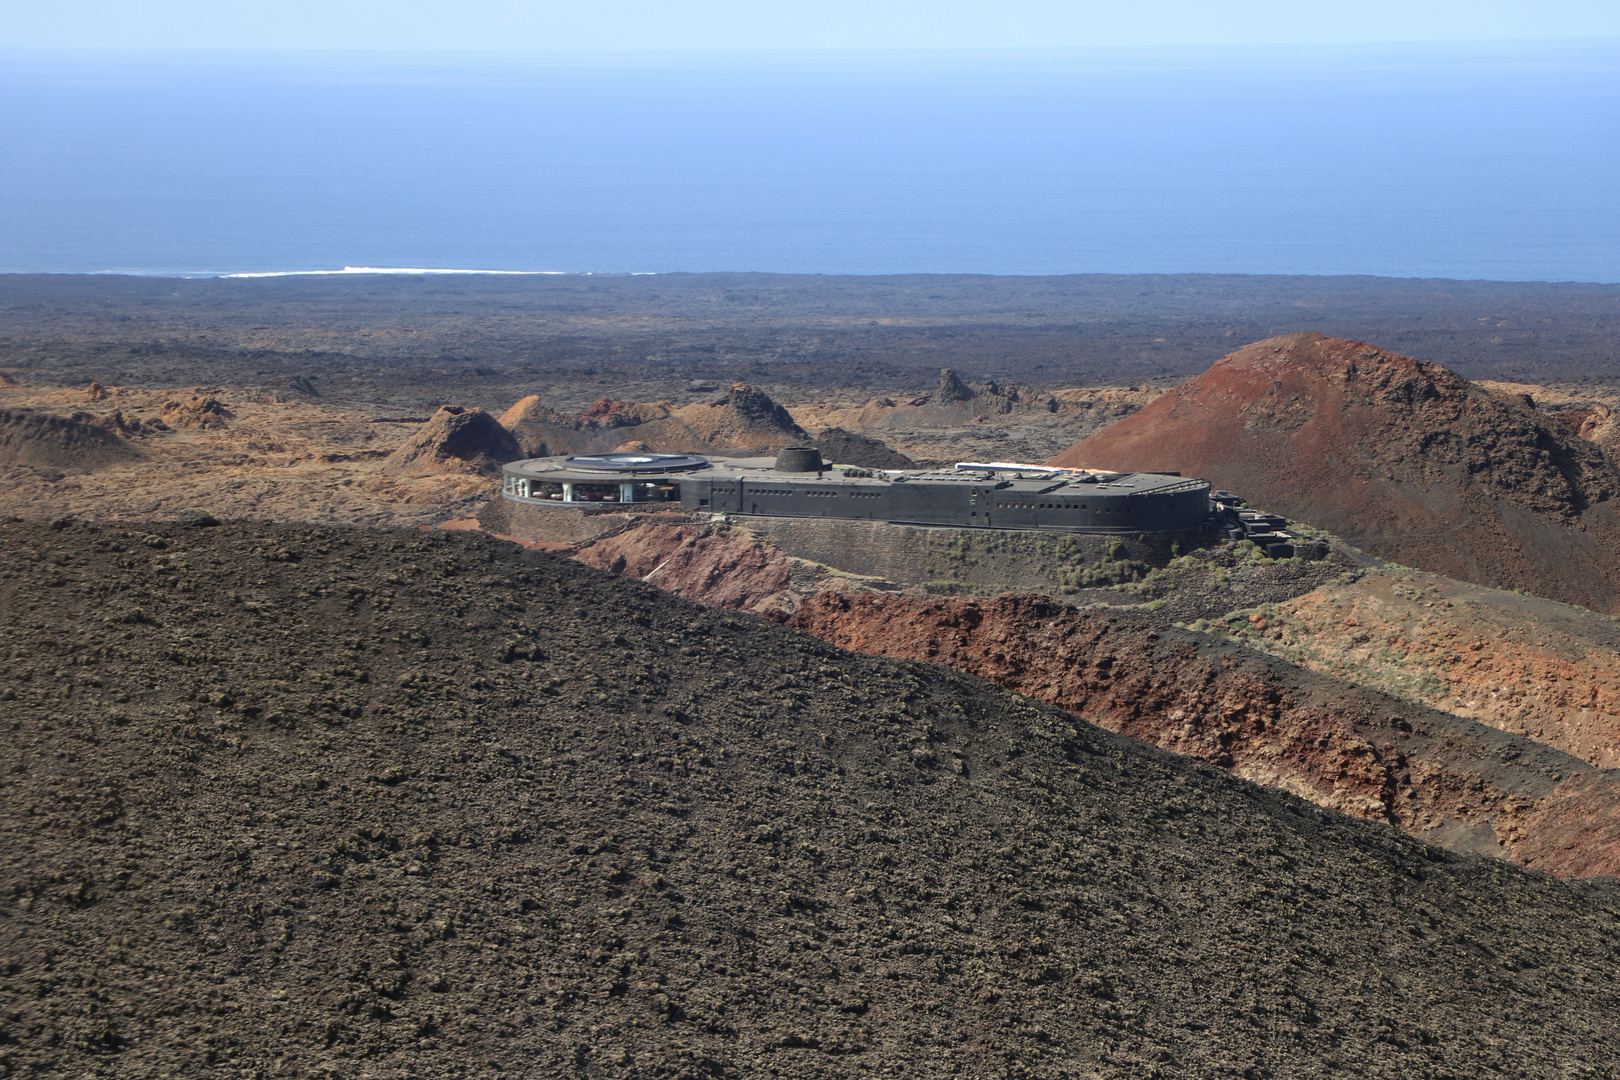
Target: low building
(798, 484)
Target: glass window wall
(596, 492)
(656, 492)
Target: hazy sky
(778, 24)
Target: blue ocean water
(1497, 161)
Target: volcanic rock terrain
(1440, 777)
(320, 801)
(414, 343)
(277, 457)
(1534, 667)
(969, 421)
(454, 440)
(742, 419)
(742, 571)
(1536, 671)
(300, 799)
(1400, 457)
(40, 440)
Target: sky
(614, 25)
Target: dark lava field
(421, 341)
(283, 801)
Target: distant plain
(416, 342)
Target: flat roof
(728, 468)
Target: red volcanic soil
(715, 566)
(1575, 831)
(1403, 458)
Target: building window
(656, 492)
(596, 492)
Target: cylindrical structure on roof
(799, 459)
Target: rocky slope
(852, 448)
(454, 440)
(962, 420)
(1338, 741)
(1438, 776)
(1533, 667)
(741, 419)
(744, 419)
(327, 802)
(1402, 458)
(41, 440)
(712, 565)
(1581, 413)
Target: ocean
(1454, 161)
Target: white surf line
(384, 270)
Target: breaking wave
(383, 270)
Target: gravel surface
(321, 802)
(1214, 581)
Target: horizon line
(748, 50)
(404, 271)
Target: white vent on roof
(1007, 466)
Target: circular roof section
(616, 463)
